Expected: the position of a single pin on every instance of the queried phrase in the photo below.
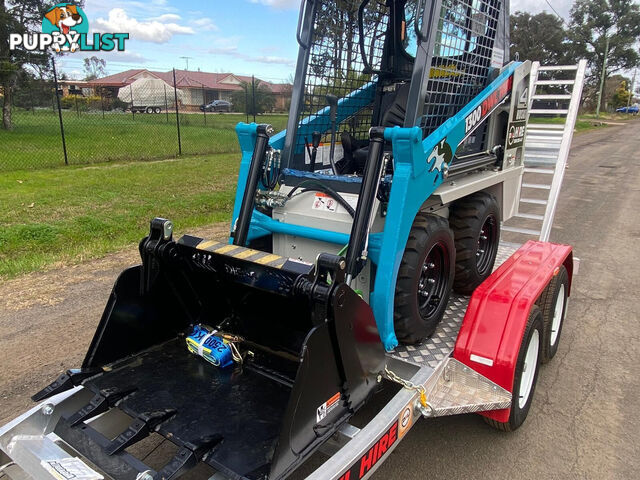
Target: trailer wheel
(553, 303)
(157, 110)
(526, 374)
(425, 278)
(475, 221)
(149, 110)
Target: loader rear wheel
(425, 278)
(475, 221)
(553, 303)
(526, 373)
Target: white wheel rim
(557, 316)
(529, 368)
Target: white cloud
(135, 8)
(279, 3)
(205, 24)
(232, 51)
(536, 6)
(122, 57)
(76, 74)
(273, 59)
(166, 17)
(148, 31)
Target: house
(197, 87)
(75, 87)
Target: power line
(554, 11)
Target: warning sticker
(70, 468)
(497, 57)
(327, 407)
(324, 202)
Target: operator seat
(394, 106)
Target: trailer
(149, 95)
(249, 356)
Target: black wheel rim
(487, 244)
(432, 283)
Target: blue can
(203, 342)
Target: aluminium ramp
(554, 99)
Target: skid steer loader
(402, 154)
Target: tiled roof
(190, 79)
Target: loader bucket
(314, 354)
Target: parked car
(632, 109)
(216, 106)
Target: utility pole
(253, 97)
(187, 60)
(633, 86)
(602, 75)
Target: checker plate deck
(439, 346)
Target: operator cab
(364, 66)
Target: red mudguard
(492, 329)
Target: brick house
(197, 87)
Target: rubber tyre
(157, 110)
(559, 285)
(467, 218)
(149, 110)
(429, 233)
(519, 413)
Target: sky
(246, 37)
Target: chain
(426, 406)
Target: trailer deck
(437, 348)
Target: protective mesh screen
(336, 65)
(461, 58)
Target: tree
(264, 99)
(539, 37)
(592, 23)
(94, 67)
(20, 16)
(621, 95)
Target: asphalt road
(584, 422)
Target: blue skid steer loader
(402, 155)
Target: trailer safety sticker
(327, 407)
(483, 110)
(405, 421)
(70, 468)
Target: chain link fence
(59, 122)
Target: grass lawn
(35, 141)
(588, 121)
(80, 212)
(72, 214)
